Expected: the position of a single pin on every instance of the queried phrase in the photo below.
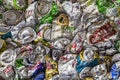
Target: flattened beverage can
(99, 72)
(77, 44)
(12, 17)
(9, 72)
(44, 32)
(26, 35)
(115, 71)
(42, 8)
(51, 68)
(66, 67)
(8, 57)
(2, 45)
(117, 45)
(107, 31)
(58, 27)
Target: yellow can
(88, 78)
(82, 56)
(63, 20)
(52, 67)
(2, 45)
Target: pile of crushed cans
(59, 39)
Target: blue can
(40, 77)
(39, 73)
(82, 64)
(115, 71)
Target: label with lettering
(104, 32)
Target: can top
(8, 57)
(26, 35)
(43, 7)
(99, 70)
(10, 17)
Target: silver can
(8, 57)
(42, 8)
(12, 17)
(26, 35)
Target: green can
(117, 45)
(103, 5)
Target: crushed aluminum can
(103, 6)
(40, 77)
(90, 7)
(56, 77)
(56, 54)
(19, 63)
(111, 51)
(62, 20)
(106, 48)
(13, 33)
(116, 58)
(23, 72)
(49, 17)
(44, 32)
(12, 17)
(30, 10)
(88, 55)
(115, 72)
(66, 67)
(112, 12)
(2, 45)
(89, 20)
(82, 64)
(59, 39)
(88, 78)
(72, 9)
(4, 28)
(8, 57)
(99, 72)
(26, 35)
(30, 59)
(58, 31)
(9, 72)
(61, 28)
(77, 44)
(42, 8)
(43, 41)
(32, 72)
(85, 73)
(39, 73)
(102, 34)
(117, 45)
(26, 50)
(41, 51)
(60, 43)
(13, 43)
(51, 67)
(107, 60)
(47, 34)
